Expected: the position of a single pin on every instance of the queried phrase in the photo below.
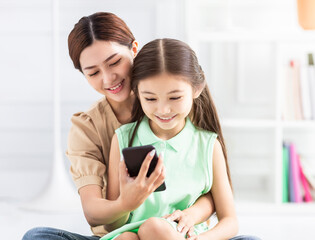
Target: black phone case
(134, 156)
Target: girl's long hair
(176, 58)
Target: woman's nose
(107, 78)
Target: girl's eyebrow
(173, 91)
(106, 60)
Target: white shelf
(251, 172)
(304, 124)
(248, 123)
(273, 208)
(246, 36)
(254, 137)
(256, 123)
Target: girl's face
(106, 65)
(166, 100)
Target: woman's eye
(150, 99)
(175, 98)
(93, 74)
(115, 63)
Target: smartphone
(134, 156)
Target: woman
(102, 47)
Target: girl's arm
(227, 226)
(110, 211)
(199, 212)
(97, 210)
(124, 194)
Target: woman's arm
(227, 226)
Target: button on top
(163, 145)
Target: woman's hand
(185, 224)
(134, 191)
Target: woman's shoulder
(100, 112)
(100, 108)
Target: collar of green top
(181, 141)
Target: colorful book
(311, 76)
(285, 173)
(305, 184)
(295, 191)
(288, 109)
(296, 91)
(305, 93)
(306, 168)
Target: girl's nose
(164, 108)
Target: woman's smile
(117, 88)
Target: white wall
(240, 74)
(26, 87)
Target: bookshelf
(248, 93)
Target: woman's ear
(134, 48)
(198, 91)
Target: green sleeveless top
(188, 165)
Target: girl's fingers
(192, 238)
(191, 232)
(123, 175)
(157, 176)
(184, 230)
(146, 164)
(174, 216)
(158, 182)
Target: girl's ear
(198, 91)
(134, 48)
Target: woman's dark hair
(177, 58)
(98, 26)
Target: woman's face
(106, 65)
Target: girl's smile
(166, 100)
(166, 119)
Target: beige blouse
(89, 146)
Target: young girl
(174, 112)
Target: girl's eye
(115, 63)
(93, 74)
(175, 98)
(150, 99)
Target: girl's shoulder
(204, 133)
(126, 128)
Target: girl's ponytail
(204, 115)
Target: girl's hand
(197, 237)
(134, 191)
(185, 224)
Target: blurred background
(257, 58)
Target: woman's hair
(98, 26)
(176, 58)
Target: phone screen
(134, 156)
